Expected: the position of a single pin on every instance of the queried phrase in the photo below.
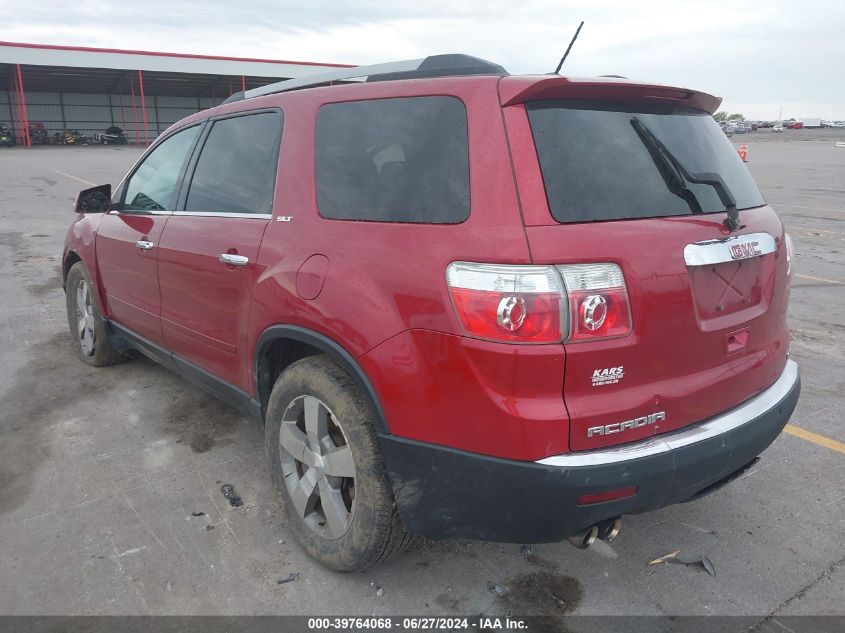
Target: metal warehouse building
(91, 89)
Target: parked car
(778, 127)
(480, 306)
(796, 125)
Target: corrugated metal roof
(48, 68)
(116, 59)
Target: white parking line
(82, 180)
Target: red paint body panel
(80, 240)
(128, 275)
(205, 304)
(372, 293)
(379, 289)
(671, 362)
(492, 398)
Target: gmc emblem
(619, 427)
(745, 250)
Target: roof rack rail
(431, 66)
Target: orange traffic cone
(743, 152)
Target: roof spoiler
(521, 89)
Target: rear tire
(337, 498)
(88, 331)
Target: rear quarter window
(596, 167)
(393, 160)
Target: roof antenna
(568, 48)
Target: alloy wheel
(317, 466)
(85, 317)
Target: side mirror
(94, 200)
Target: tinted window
(236, 171)
(597, 163)
(393, 160)
(155, 184)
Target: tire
(371, 531)
(87, 327)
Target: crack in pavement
(798, 594)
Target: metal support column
(134, 111)
(25, 117)
(144, 107)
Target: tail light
(598, 301)
(540, 304)
(507, 303)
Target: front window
(155, 184)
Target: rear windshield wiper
(676, 176)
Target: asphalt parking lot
(110, 479)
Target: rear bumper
(443, 492)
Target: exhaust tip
(609, 530)
(585, 539)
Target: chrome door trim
(725, 250)
(144, 245)
(733, 419)
(225, 214)
(127, 212)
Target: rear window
(393, 160)
(597, 163)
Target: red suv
(460, 303)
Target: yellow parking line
(815, 438)
(813, 229)
(82, 180)
(830, 281)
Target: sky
(758, 56)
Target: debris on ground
(664, 558)
(703, 562)
(197, 514)
(209, 527)
(526, 550)
(289, 578)
(379, 591)
(494, 588)
(228, 491)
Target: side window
(155, 184)
(393, 160)
(236, 170)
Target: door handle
(231, 259)
(144, 245)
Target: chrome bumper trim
(733, 419)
